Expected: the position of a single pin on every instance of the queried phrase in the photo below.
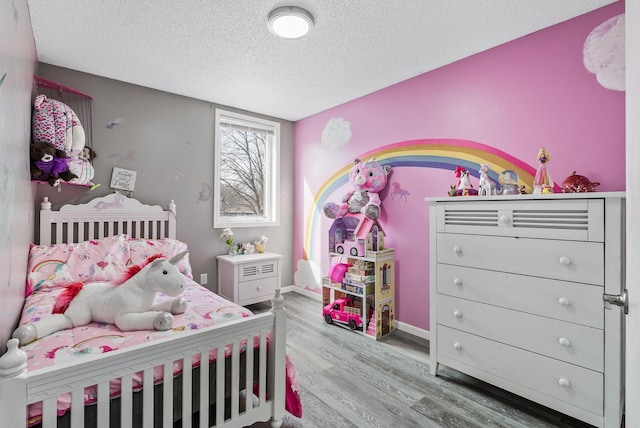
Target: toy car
(343, 311)
(353, 248)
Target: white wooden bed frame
(113, 214)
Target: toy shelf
(81, 104)
(376, 298)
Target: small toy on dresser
(487, 185)
(509, 182)
(576, 183)
(542, 182)
(464, 188)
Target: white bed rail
(19, 387)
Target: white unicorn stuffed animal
(129, 305)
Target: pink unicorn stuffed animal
(129, 305)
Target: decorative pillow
(142, 249)
(60, 264)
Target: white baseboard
(415, 331)
(305, 292)
(407, 328)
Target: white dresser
(516, 297)
(250, 278)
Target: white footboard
(20, 388)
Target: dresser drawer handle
(457, 281)
(259, 287)
(564, 260)
(564, 301)
(564, 342)
(457, 250)
(457, 346)
(564, 382)
(457, 314)
(504, 219)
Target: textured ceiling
(222, 52)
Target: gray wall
(168, 139)
(17, 64)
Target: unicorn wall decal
(129, 304)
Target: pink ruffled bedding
(204, 309)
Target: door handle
(621, 300)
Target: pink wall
(508, 101)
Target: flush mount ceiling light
(289, 22)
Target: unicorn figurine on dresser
(487, 187)
(465, 188)
(128, 304)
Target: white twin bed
(95, 375)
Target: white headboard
(105, 216)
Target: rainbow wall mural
(426, 153)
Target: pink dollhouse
(358, 228)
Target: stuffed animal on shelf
(80, 165)
(129, 305)
(49, 164)
(56, 123)
(368, 180)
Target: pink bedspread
(204, 309)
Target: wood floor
(348, 380)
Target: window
(246, 176)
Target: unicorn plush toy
(129, 305)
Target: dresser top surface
(553, 196)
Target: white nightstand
(249, 278)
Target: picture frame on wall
(123, 179)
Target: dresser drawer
(257, 290)
(566, 260)
(563, 300)
(521, 370)
(562, 340)
(258, 270)
(578, 220)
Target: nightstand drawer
(568, 301)
(258, 270)
(573, 343)
(257, 290)
(566, 260)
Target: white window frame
(272, 181)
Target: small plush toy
(49, 164)
(56, 123)
(465, 188)
(368, 180)
(80, 165)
